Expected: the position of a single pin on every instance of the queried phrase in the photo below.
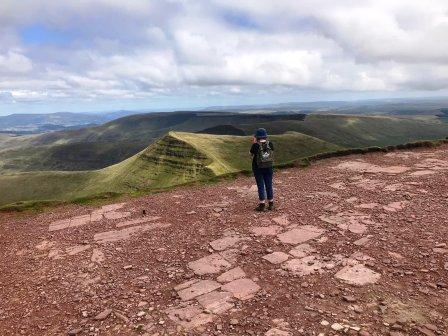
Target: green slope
(175, 159)
(360, 131)
(100, 146)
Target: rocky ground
(357, 245)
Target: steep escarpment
(175, 159)
(167, 162)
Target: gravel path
(357, 245)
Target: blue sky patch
(240, 19)
(38, 34)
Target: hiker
(262, 151)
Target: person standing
(262, 151)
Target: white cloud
(13, 63)
(141, 48)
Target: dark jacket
(254, 151)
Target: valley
(153, 152)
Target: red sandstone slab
(242, 289)
(276, 257)
(303, 266)
(230, 275)
(358, 275)
(198, 288)
(281, 220)
(117, 235)
(189, 316)
(76, 249)
(271, 230)
(302, 250)
(225, 243)
(216, 302)
(210, 264)
(300, 234)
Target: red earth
(356, 245)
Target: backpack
(265, 155)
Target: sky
(101, 55)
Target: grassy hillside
(98, 147)
(361, 131)
(176, 158)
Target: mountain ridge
(176, 158)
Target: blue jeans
(263, 177)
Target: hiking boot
(271, 206)
(260, 207)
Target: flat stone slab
(338, 185)
(394, 187)
(45, 245)
(59, 225)
(225, 243)
(186, 284)
(367, 205)
(302, 250)
(189, 317)
(434, 164)
(276, 257)
(303, 266)
(281, 220)
(76, 249)
(369, 184)
(108, 211)
(423, 173)
(395, 255)
(230, 275)
(271, 230)
(138, 221)
(358, 275)
(116, 215)
(365, 167)
(112, 207)
(231, 255)
(300, 234)
(354, 227)
(353, 222)
(117, 235)
(242, 289)
(216, 302)
(213, 263)
(198, 288)
(403, 155)
(362, 241)
(277, 332)
(395, 206)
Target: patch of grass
(31, 206)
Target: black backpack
(265, 155)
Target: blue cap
(261, 133)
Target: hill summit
(356, 246)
